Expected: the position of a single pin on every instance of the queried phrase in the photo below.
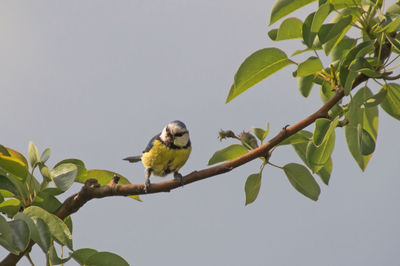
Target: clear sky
(95, 80)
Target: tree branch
(92, 189)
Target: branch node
(91, 183)
(75, 197)
(115, 180)
(284, 130)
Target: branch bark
(92, 190)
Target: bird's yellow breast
(163, 160)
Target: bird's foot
(146, 185)
(179, 177)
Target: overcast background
(95, 80)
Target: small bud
(248, 139)
(223, 134)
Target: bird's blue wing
(151, 143)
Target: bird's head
(175, 133)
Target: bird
(165, 153)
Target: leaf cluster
(29, 205)
(361, 40)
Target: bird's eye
(180, 134)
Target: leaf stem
(388, 64)
(378, 82)
(274, 165)
(29, 259)
(293, 61)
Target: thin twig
(92, 189)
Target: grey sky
(95, 80)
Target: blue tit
(166, 152)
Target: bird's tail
(133, 159)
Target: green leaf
(332, 30)
(257, 67)
(395, 42)
(282, 8)
(365, 141)
(78, 163)
(370, 73)
(302, 180)
(6, 184)
(321, 128)
(81, 255)
(45, 155)
(393, 10)
(40, 232)
(21, 189)
(229, 153)
(392, 26)
(33, 154)
(325, 172)
(359, 51)
(348, 86)
(54, 258)
(64, 175)
(6, 194)
(54, 191)
(391, 103)
(342, 24)
(20, 234)
(4, 151)
(68, 222)
(317, 157)
(375, 99)
(47, 202)
(367, 118)
(252, 187)
(362, 65)
(266, 131)
(326, 91)
(6, 237)
(323, 33)
(10, 207)
(105, 259)
(33, 184)
(310, 66)
(290, 28)
(355, 11)
(302, 136)
(320, 16)
(308, 36)
(342, 47)
(273, 34)
(349, 58)
(104, 177)
(339, 4)
(57, 227)
(301, 51)
(14, 167)
(305, 84)
(16, 155)
(260, 133)
(45, 171)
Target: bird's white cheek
(181, 141)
